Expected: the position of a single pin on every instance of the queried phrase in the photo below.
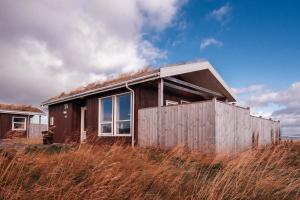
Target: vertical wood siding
(232, 128)
(235, 128)
(35, 130)
(6, 123)
(66, 121)
(210, 126)
(188, 125)
(267, 131)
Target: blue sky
(260, 40)
(254, 45)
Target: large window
(19, 123)
(115, 115)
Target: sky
(51, 46)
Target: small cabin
(15, 120)
(146, 107)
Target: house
(15, 119)
(117, 109)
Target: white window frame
(106, 122)
(184, 102)
(19, 129)
(171, 103)
(114, 116)
(130, 118)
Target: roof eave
(16, 112)
(196, 66)
(138, 80)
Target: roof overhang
(190, 72)
(138, 80)
(16, 112)
(202, 74)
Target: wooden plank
(196, 87)
(184, 89)
(209, 126)
(35, 130)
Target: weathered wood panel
(237, 130)
(187, 125)
(232, 128)
(35, 130)
(212, 126)
(266, 131)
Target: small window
(106, 115)
(171, 103)
(184, 102)
(19, 123)
(51, 121)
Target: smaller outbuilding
(15, 120)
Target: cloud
(283, 105)
(50, 46)
(206, 42)
(221, 14)
(252, 88)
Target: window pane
(106, 109)
(19, 126)
(124, 107)
(123, 127)
(106, 128)
(18, 119)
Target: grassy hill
(120, 172)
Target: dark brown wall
(146, 95)
(6, 123)
(66, 121)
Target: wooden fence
(189, 125)
(35, 130)
(236, 130)
(210, 126)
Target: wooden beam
(196, 87)
(161, 93)
(171, 85)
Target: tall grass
(120, 172)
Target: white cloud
(221, 14)
(49, 46)
(206, 42)
(283, 105)
(252, 88)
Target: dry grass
(26, 141)
(120, 172)
(111, 80)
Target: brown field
(120, 172)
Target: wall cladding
(209, 126)
(187, 125)
(237, 130)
